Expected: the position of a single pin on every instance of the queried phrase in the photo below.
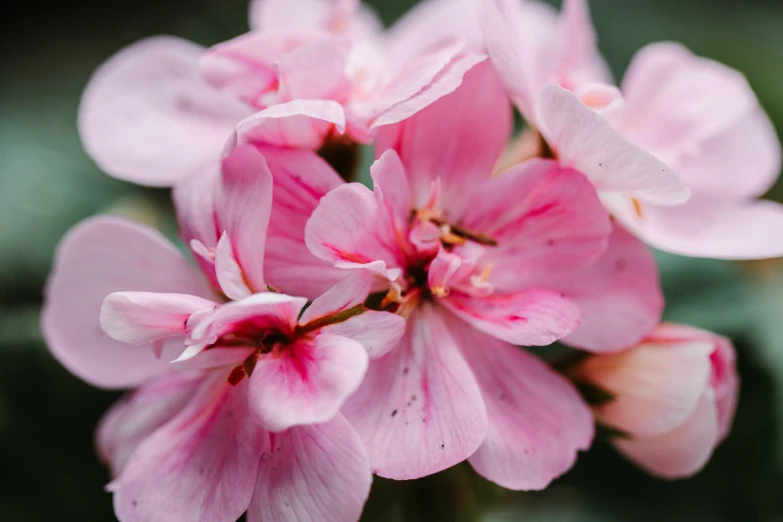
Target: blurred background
(48, 468)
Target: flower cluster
(328, 331)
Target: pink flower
(164, 109)
(237, 406)
(678, 119)
(477, 265)
(672, 398)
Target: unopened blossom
(478, 264)
(670, 400)
(677, 119)
(164, 109)
(237, 402)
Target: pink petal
(680, 453)
(585, 141)
(301, 178)
(228, 272)
(537, 420)
(315, 71)
(307, 383)
(694, 100)
(139, 414)
(546, 220)
(710, 225)
(531, 318)
(348, 17)
(243, 206)
(579, 59)
(725, 384)
(312, 473)
(348, 293)
(100, 256)
(619, 296)
(425, 79)
(266, 310)
(148, 117)
(419, 409)
(201, 466)
(295, 124)
(348, 224)
(140, 318)
(377, 332)
(194, 202)
(477, 119)
(656, 385)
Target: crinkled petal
(139, 414)
(243, 206)
(148, 117)
(307, 383)
(315, 71)
(140, 318)
(349, 17)
(537, 420)
(199, 467)
(99, 256)
(585, 141)
(419, 409)
(317, 473)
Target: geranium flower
(479, 264)
(237, 406)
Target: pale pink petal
(301, 178)
(377, 332)
(619, 295)
(199, 467)
(537, 420)
(350, 17)
(213, 359)
(265, 311)
(348, 293)
(742, 161)
(139, 414)
(680, 453)
(148, 117)
(307, 383)
(425, 79)
(315, 71)
(296, 124)
(419, 409)
(547, 221)
(477, 118)
(506, 52)
(100, 256)
(229, 274)
(194, 202)
(243, 205)
(347, 226)
(694, 99)
(314, 473)
(585, 141)
(390, 182)
(711, 225)
(579, 60)
(531, 318)
(140, 318)
(656, 386)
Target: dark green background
(48, 470)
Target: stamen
(439, 291)
(485, 273)
(450, 238)
(638, 208)
(392, 297)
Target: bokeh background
(48, 468)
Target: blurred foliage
(47, 416)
